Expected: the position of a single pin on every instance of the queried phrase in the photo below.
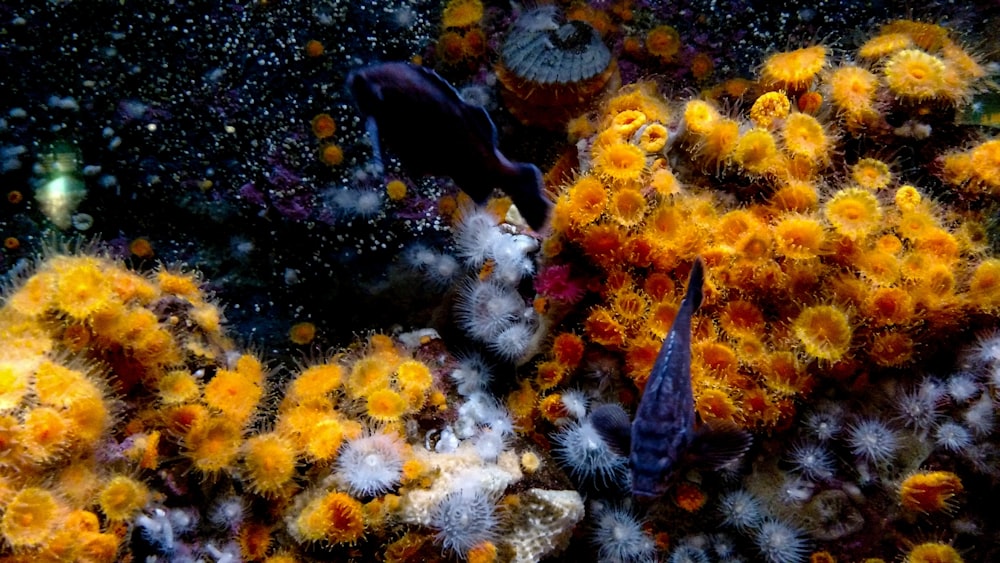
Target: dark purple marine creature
(425, 122)
(662, 439)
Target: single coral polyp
(335, 518)
(794, 70)
(620, 162)
(756, 152)
(853, 212)
(915, 76)
(30, 517)
(824, 332)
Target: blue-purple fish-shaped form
(663, 438)
(432, 130)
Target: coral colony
(356, 363)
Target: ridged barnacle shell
(541, 48)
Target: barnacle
(551, 69)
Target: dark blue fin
(526, 190)
(715, 448)
(695, 282)
(371, 127)
(612, 423)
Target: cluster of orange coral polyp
(826, 270)
(91, 309)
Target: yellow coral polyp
(742, 318)
(45, 434)
(30, 517)
(663, 42)
(178, 386)
(213, 444)
(59, 386)
(334, 518)
(414, 374)
(823, 331)
(799, 237)
(315, 381)
(984, 286)
(35, 296)
(462, 13)
(629, 305)
(233, 394)
(585, 201)
(180, 284)
(889, 306)
(795, 196)
(756, 151)
(14, 383)
(871, 174)
(929, 491)
(122, 497)
(270, 462)
(620, 162)
(805, 138)
(769, 109)
(88, 420)
(699, 117)
(627, 122)
(323, 439)
(720, 141)
(385, 405)
(933, 552)
(794, 70)
(985, 163)
(653, 138)
(915, 76)
(82, 289)
(367, 375)
(627, 206)
(885, 44)
(852, 90)
(716, 404)
(853, 212)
